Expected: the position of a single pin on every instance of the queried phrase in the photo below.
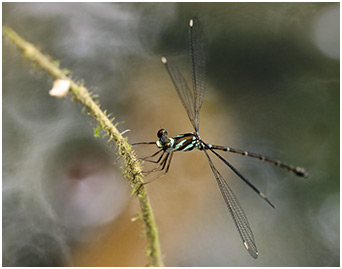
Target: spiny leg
(152, 161)
(164, 165)
(168, 155)
(143, 143)
(263, 196)
(168, 166)
(149, 157)
(299, 171)
(157, 168)
(160, 166)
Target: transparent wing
(182, 88)
(236, 211)
(197, 57)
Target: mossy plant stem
(132, 167)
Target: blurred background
(272, 88)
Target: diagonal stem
(132, 167)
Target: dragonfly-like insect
(192, 101)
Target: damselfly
(192, 101)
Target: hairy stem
(132, 167)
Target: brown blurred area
(116, 248)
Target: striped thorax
(182, 142)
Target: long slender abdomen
(299, 171)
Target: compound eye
(161, 133)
